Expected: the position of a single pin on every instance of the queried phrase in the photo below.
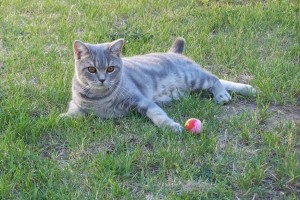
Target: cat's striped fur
(108, 85)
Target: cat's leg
(73, 111)
(204, 80)
(157, 115)
(239, 88)
(220, 94)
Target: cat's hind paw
(247, 90)
(222, 97)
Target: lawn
(248, 149)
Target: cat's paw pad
(222, 97)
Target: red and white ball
(193, 125)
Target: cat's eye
(110, 69)
(92, 70)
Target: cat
(108, 85)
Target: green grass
(248, 154)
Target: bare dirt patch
(275, 114)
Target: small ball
(193, 125)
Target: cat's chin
(101, 88)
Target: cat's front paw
(64, 116)
(176, 127)
(71, 115)
(222, 97)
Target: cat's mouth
(102, 87)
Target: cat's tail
(178, 45)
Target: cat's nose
(102, 80)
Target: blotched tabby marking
(109, 85)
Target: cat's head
(98, 66)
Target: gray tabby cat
(108, 85)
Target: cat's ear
(116, 46)
(80, 50)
